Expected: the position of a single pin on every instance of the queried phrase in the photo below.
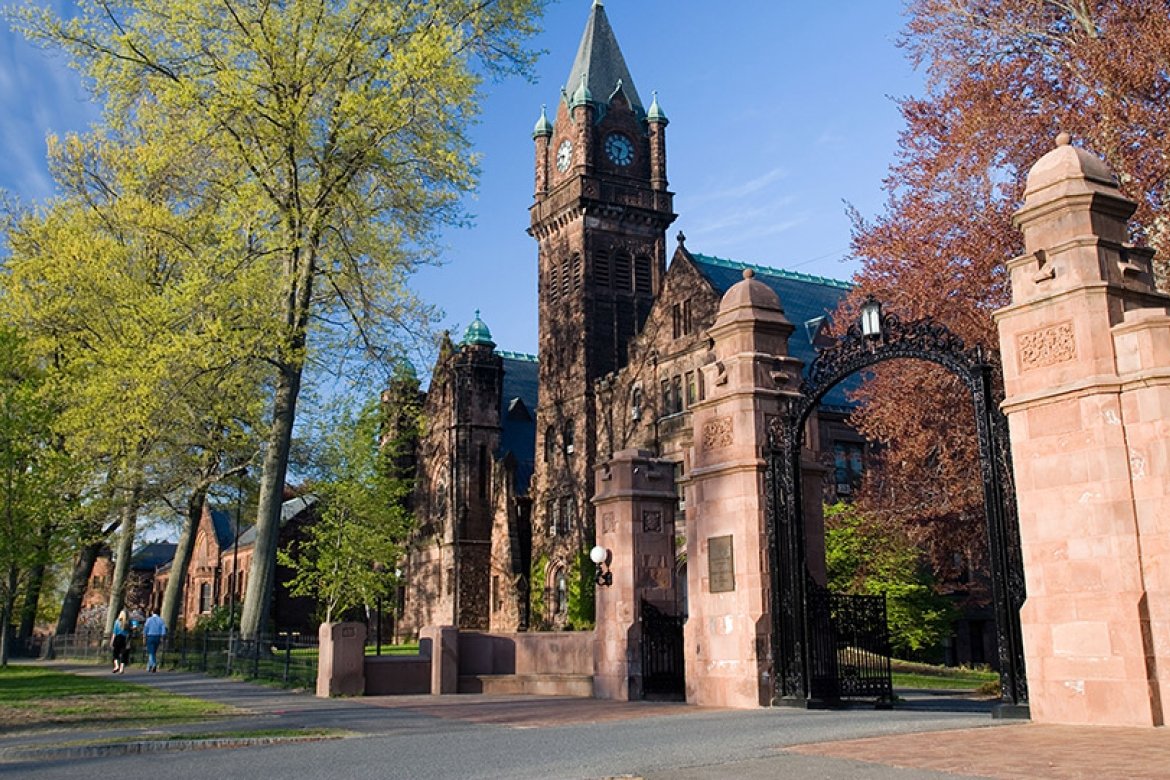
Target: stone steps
(531, 684)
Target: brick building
(506, 467)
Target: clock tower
(600, 216)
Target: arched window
(554, 287)
(567, 277)
(560, 591)
(575, 268)
(550, 443)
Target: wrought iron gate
(850, 644)
(799, 650)
(662, 653)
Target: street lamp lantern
(600, 557)
(871, 318)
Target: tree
(1004, 77)
(150, 327)
(335, 135)
(866, 556)
(349, 552)
(31, 474)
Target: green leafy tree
(864, 556)
(347, 555)
(32, 471)
(335, 138)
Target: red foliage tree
(1004, 77)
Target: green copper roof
(600, 61)
(477, 334)
(543, 126)
(655, 114)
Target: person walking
(121, 643)
(154, 631)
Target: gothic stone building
(506, 466)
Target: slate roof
(805, 298)
(223, 522)
(288, 510)
(600, 58)
(150, 556)
(518, 414)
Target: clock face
(618, 149)
(564, 156)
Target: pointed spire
(543, 126)
(600, 61)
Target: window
(205, 604)
(642, 278)
(680, 319)
(561, 592)
(496, 601)
(483, 471)
(678, 487)
(550, 443)
(554, 287)
(692, 389)
(570, 436)
(702, 387)
(568, 515)
(621, 272)
(567, 277)
(575, 269)
(847, 462)
(601, 269)
(665, 398)
(554, 517)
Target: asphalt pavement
(517, 737)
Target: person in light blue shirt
(154, 631)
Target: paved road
(508, 737)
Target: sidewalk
(1007, 751)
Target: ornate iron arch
(926, 340)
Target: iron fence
(286, 658)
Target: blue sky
(780, 113)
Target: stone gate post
(635, 502)
(728, 632)
(1086, 361)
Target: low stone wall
(394, 675)
(529, 653)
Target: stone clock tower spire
(600, 216)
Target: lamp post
(378, 608)
(236, 552)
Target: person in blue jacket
(121, 642)
(154, 631)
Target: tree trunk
(173, 597)
(122, 560)
(6, 610)
(36, 581)
(78, 583)
(262, 572)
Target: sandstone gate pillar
(728, 631)
(635, 501)
(1086, 360)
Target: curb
(9, 755)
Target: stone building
(506, 467)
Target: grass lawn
(912, 675)
(34, 697)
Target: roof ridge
(772, 271)
(517, 356)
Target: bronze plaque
(720, 564)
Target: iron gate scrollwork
(850, 644)
(662, 653)
(798, 639)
